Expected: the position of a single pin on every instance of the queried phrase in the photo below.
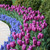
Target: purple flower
(23, 47)
(40, 36)
(13, 44)
(34, 41)
(27, 41)
(34, 45)
(34, 37)
(13, 49)
(31, 47)
(38, 43)
(23, 33)
(19, 42)
(20, 36)
(15, 37)
(23, 42)
(28, 34)
(21, 27)
(40, 29)
(8, 46)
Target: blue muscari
(14, 28)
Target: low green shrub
(28, 3)
(6, 2)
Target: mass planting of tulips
(31, 31)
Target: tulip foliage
(33, 25)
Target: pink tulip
(13, 33)
(40, 29)
(8, 46)
(38, 43)
(19, 13)
(42, 26)
(21, 27)
(29, 8)
(26, 37)
(23, 42)
(34, 41)
(15, 37)
(23, 33)
(13, 49)
(19, 42)
(27, 41)
(40, 36)
(22, 7)
(34, 37)
(23, 47)
(40, 22)
(28, 34)
(25, 28)
(24, 21)
(13, 44)
(35, 18)
(38, 16)
(25, 24)
(28, 48)
(31, 47)
(34, 21)
(34, 45)
(20, 35)
(34, 29)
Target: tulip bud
(13, 33)
(34, 29)
(40, 29)
(19, 13)
(34, 41)
(40, 36)
(34, 37)
(21, 27)
(15, 37)
(34, 45)
(13, 44)
(19, 42)
(8, 46)
(28, 34)
(20, 36)
(31, 47)
(23, 33)
(27, 41)
(38, 43)
(23, 42)
(23, 47)
(34, 21)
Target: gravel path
(4, 32)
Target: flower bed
(32, 28)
